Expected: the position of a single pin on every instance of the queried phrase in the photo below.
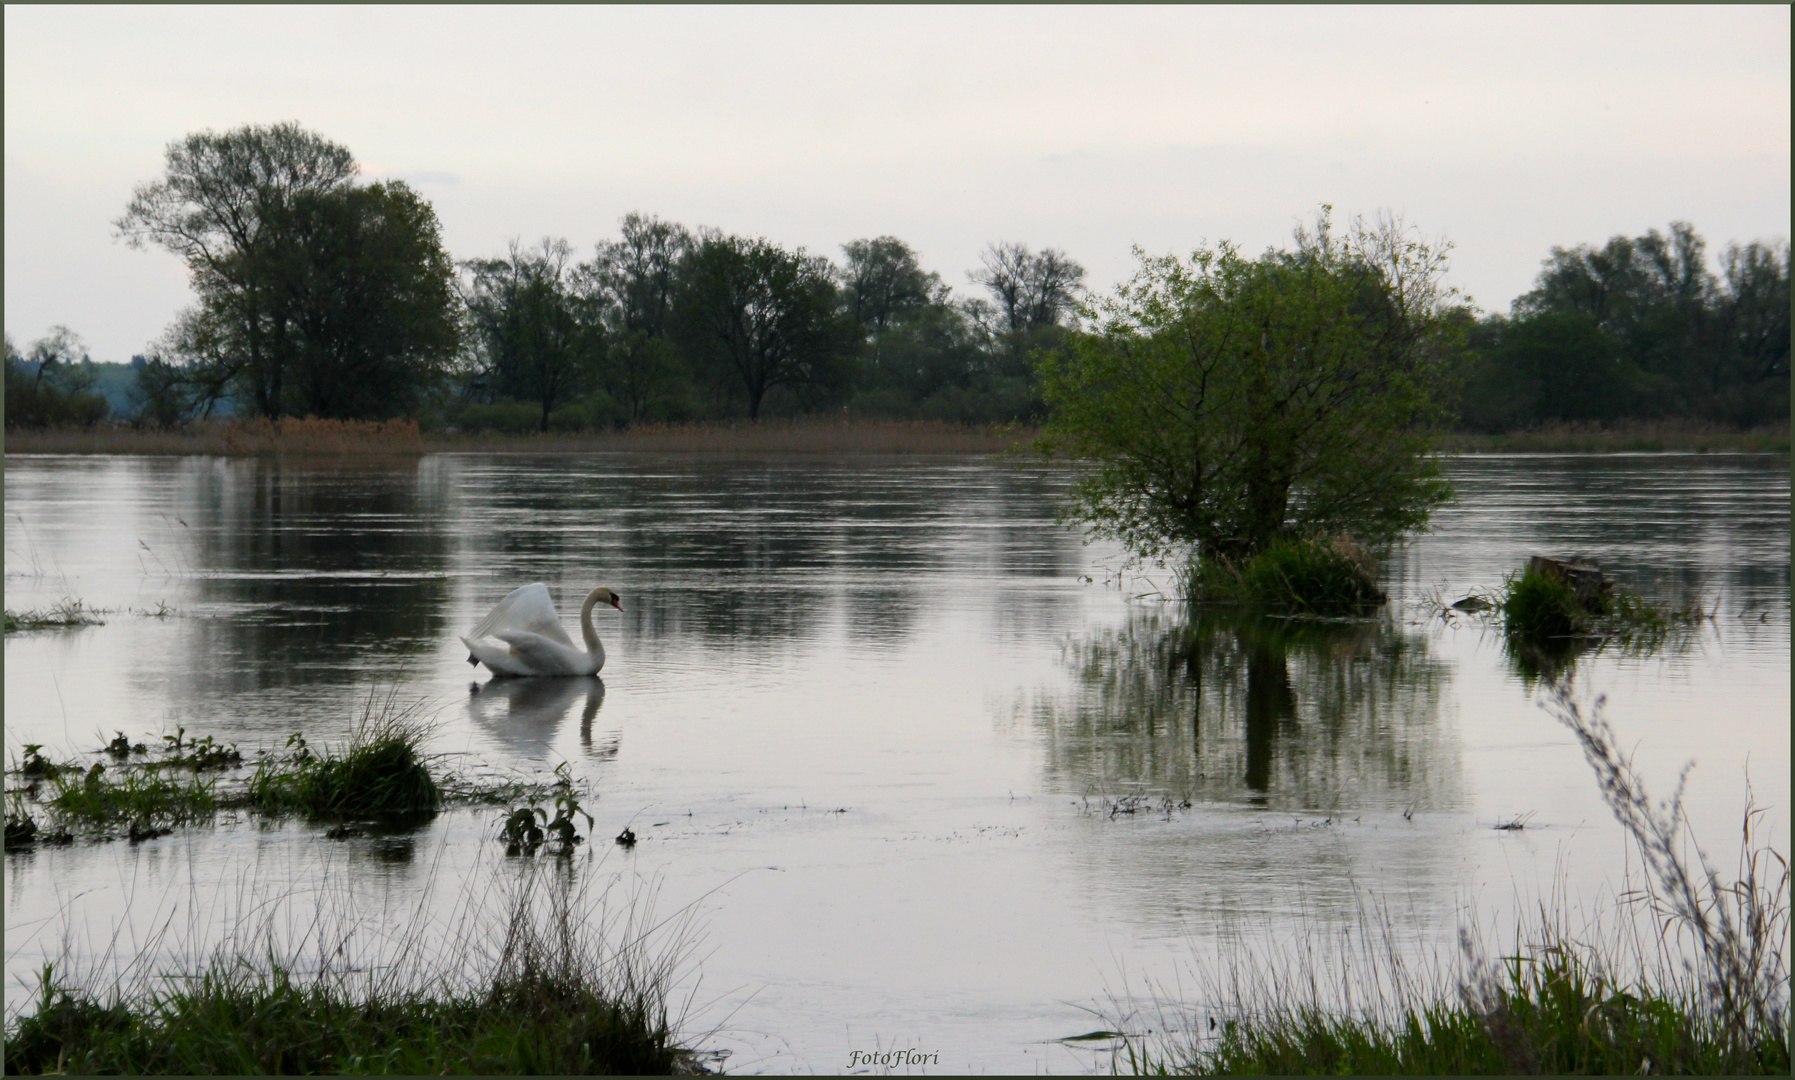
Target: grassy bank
(1633, 436)
(546, 982)
(330, 438)
(1694, 981)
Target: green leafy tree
(217, 207)
(633, 281)
(1551, 365)
(763, 317)
(538, 339)
(1227, 403)
(315, 296)
(374, 315)
(1715, 346)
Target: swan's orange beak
(617, 601)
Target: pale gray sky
(1506, 129)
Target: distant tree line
(1638, 328)
(320, 295)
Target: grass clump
(553, 986)
(382, 773)
(1314, 576)
(61, 616)
(1551, 612)
(243, 1023)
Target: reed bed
(1624, 436)
(350, 439)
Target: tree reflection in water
(1221, 707)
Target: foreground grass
(1709, 995)
(555, 985)
(350, 440)
(236, 1024)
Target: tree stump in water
(1587, 581)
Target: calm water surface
(870, 718)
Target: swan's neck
(592, 644)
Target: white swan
(523, 636)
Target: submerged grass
(382, 772)
(1708, 994)
(138, 799)
(555, 985)
(60, 616)
(1314, 576)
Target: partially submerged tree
(1228, 403)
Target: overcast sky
(1507, 130)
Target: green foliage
(1537, 606)
(538, 338)
(1226, 403)
(1293, 577)
(528, 828)
(755, 317)
(130, 797)
(1640, 327)
(316, 296)
(381, 774)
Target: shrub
(1537, 606)
(1293, 577)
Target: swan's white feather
(529, 609)
(496, 656)
(544, 657)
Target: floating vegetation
(61, 616)
(131, 798)
(382, 773)
(1552, 613)
(527, 829)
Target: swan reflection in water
(524, 715)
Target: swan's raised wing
(529, 609)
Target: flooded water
(878, 723)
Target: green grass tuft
(1315, 577)
(381, 774)
(130, 797)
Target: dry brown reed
(308, 436)
(1622, 436)
(342, 438)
